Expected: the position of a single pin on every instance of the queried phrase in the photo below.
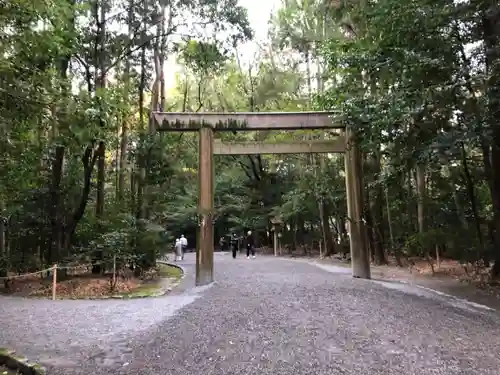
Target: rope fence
(52, 269)
(55, 268)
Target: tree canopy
(83, 174)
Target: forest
(84, 176)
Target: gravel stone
(261, 316)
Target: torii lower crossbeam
(281, 148)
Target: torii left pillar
(205, 248)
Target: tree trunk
(409, 199)
(101, 177)
(421, 200)
(376, 207)
(328, 242)
(141, 172)
(101, 84)
(154, 106)
(370, 236)
(122, 164)
(397, 254)
(3, 243)
(88, 160)
(55, 244)
(126, 117)
(100, 79)
(327, 232)
(308, 73)
(491, 31)
(469, 183)
(421, 197)
(59, 116)
(163, 53)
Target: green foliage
(202, 57)
(418, 244)
(55, 111)
(408, 84)
(397, 72)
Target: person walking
(234, 244)
(250, 245)
(184, 243)
(222, 243)
(179, 253)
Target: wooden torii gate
(208, 123)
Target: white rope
(46, 270)
(26, 274)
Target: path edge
(178, 281)
(161, 292)
(416, 285)
(167, 263)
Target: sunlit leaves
(202, 57)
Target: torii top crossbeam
(241, 121)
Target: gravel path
(262, 316)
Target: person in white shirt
(179, 254)
(184, 242)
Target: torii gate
(208, 123)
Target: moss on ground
(157, 287)
(146, 290)
(7, 371)
(12, 364)
(38, 368)
(164, 270)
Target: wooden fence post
(114, 272)
(54, 281)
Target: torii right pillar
(360, 258)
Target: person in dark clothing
(250, 245)
(234, 244)
(222, 243)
